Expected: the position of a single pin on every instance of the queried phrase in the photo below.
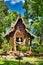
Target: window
(19, 39)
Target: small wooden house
(19, 34)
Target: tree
(35, 12)
(33, 8)
(6, 18)
(3, 9)
(25, 5)
(9, 19)
(5, 23)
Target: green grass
(10, 62)
(33, 60)
(30, 60)
(1, 50)
(1, 62)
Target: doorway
(19, 41)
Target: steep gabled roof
(19, 17)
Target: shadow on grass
(27, 63)
(40, 62)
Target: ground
(30, 60)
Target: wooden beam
(30, 43)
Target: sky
(15, 5)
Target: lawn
(1, 50)
(30, 60)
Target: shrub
(38, 49)
(24, 48)
(6, 47)
(35, 45)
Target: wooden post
(30, 43)
(14, 43)
(24, 41)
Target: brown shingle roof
(19, 17)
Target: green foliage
(38, 49)
(33, 6)
(3, 7)
(40, 63)
(34, 11)
(6, 47)
(1, 50)
(38, 25)
(6, 19)
(24, 48)
(28, 62)
(36, 41)
(27, 7)
(10, 18)
(6, 62)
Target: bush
(6, 47)
(24, 48)
(35, 45)
(38, 49)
